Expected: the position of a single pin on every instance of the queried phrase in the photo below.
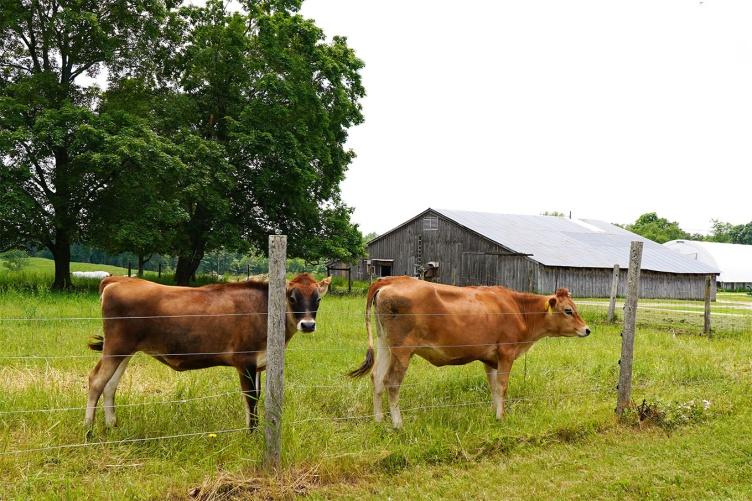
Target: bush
(14, 260)
(668, 415)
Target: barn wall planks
(465, 258)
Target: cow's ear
(551, 303)
(324, 286)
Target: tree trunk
(62, 254)
(187, 266)
(141, 262)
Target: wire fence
(558, 397)
(676, 318)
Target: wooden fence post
(129, 268)
(159, 270)
(614, 290)
(627, 336)
(706, 328)
(275, 351)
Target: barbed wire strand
(597, 389)
(233, 430)
(290, 387)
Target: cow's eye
(293, 300)
(568, 311)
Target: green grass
(560, 439)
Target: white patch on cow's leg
(98, 379)
(110, 388)
(378, 372)
(493, 384)
(91, 404)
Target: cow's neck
(534, 310)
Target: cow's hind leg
(502, 380)
(110, 388)
(397, 368)
(98, 379)
(249, 384)
(378, 373)
(493, 384)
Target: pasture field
(560, 437)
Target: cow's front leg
(502, 380)
(251, 392)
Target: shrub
(668, 415)
(14, 260)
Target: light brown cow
(450, 325)
(193, 328)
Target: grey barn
(531, 253)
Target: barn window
(430, 223)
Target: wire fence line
(248, 352)
(289, 387)
(215, 433)
(291, 423)
(248, 314)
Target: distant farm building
(733, 260)
(530, 253)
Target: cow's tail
(367, 364)
(96, 343)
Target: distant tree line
(660, 229)
(216, 129)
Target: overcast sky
(607, 109)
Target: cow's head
(562, 318)
(303, 296)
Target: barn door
(515, 272)
(478, 269)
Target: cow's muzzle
(307, 325)
(584, 332)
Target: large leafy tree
(658, 229)
(58, 153)
(260, 103)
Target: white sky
(605, 108)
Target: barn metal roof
(579, 243)
(734, 260)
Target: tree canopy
(217, 129)
(658, 229)
(731, 233)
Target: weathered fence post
(630, 319)
(159, 270)
(614, 290)
(706, 328)
(129, 268)
(275, 351)
(349, 280)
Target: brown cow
(450, 325)
(193, 328)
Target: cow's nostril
(587, 331)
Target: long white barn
(733, 260)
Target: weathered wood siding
(466, 258)
(596, 282)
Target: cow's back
(436, 314)
(160, 319)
